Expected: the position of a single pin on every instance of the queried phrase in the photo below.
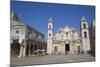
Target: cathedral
(67, 40)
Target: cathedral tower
(50, 36)
(85, 35)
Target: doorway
(15, 48)
(31, 49)
(27, 49)
(55, 49)
(78, 49)
(67, 48)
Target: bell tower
(85, 35)
(50, 36)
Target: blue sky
(37, 14)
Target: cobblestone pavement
(50, 59)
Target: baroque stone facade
(67, 40)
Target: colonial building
(25, 40)
(67, 40)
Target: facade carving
(67, 39)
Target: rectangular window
(17, 34)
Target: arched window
(55, 42)
(49, 34)
(85, 34)
(66, 33)
(78, 42)
(17, 34)
(49, 26)
(17, 31)
(84, 25)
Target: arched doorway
(27, 49)
(15, 48)
(67, 48)
(55, 49)
(31, 49)
(35, 48)
(78, 49)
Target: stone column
(21, 51)
(24, 48)
(24, 51)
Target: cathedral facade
(67, 40)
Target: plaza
(51, 59)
